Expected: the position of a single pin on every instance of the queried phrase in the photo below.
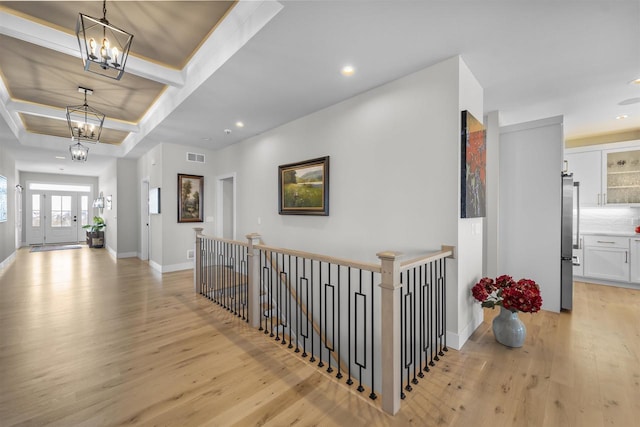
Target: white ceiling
(534, 60)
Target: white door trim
(145, 220)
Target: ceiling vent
(195, 157)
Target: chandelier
(79, 152)
(85, 123)
(104, 48)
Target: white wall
(8, 228)
(470, 230)
(491, 229)
(171, 240)
(127, 208)
(530, 205)
(395, 177)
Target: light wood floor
(86, 340)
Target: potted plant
(95, 232)
(511, 297)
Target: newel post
(254, 280)
(197, 274)
(390, 331)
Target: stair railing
(380, 326)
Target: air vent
(195, 157)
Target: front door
(56, 217)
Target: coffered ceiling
(198, 67)
(166, 33)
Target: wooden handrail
(219, 239)
(324, 258)
(445, 252)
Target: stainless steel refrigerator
(570, 238)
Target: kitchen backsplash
(618, 220)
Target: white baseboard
(457, 340)
(177, 267)
(172, 267)
(112, 252)
(155, 266)
(7, 260)
(128, 255)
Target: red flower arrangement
(523, 295)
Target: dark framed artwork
(190, 198)
(474, 168)
(303, 187)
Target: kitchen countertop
(610, 233)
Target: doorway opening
(226, 206)
(144, 220)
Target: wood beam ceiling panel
(47, 126)
(42, 76)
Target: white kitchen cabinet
(621, 176)
(586, 167)
(606, 257)
(609, 174)
(634, 253)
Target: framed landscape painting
(190, 200)
(474, 168)
(303, 187)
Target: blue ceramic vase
(509, 329)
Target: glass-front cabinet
(609, 174)
(622, 172)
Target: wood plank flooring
(86, 340)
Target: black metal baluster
(364, 335)
(272, 297)
(403, 338)
(234, 279)
(444, 301)
(438, 314)
(278, 296)
(408, 312)
(306, 317)
(349, 324)
(421, 319)
(431, 316)
(372, 395)
(313, 353)
(261, 289)
(413, 327)
(289, 316)
(327, 312)
(339, 329)
(320, 286)
(283, 286)
(298, 307)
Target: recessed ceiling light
(60, 157)
(239, 124)
(636, 81)
(622, 116)
(348, 71)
